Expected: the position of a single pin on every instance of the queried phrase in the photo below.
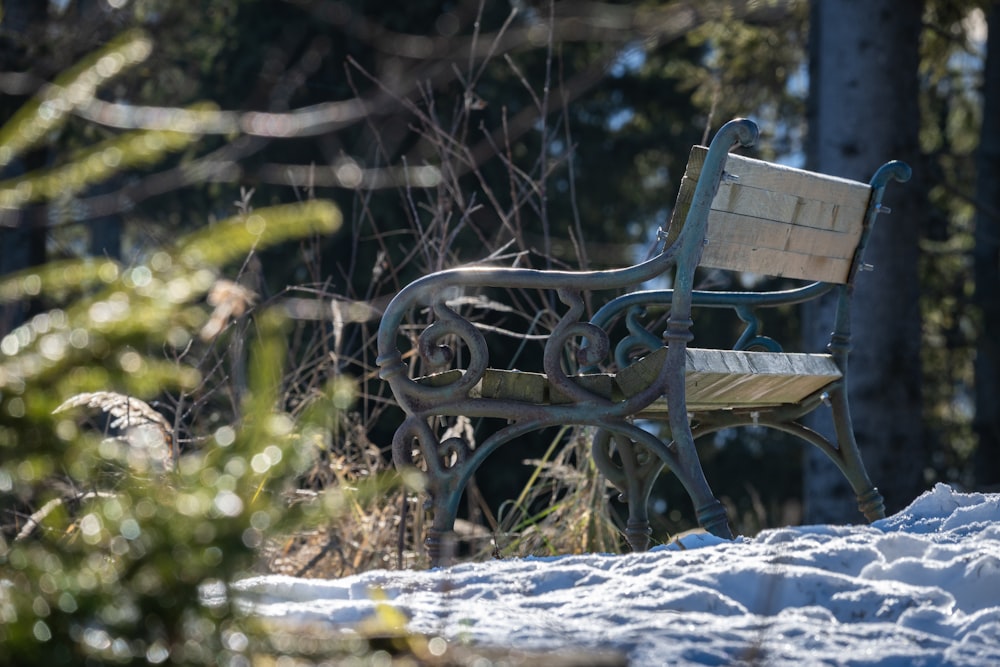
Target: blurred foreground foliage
(118, 535)
(110, 535)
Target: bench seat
(715, 379)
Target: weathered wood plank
(516, 385)
(789, 214)
(535, 387)
(796, 183)
(792, 209)
(714, 379)
(718, 379)
(744, 230)
(441, 379)
(733, 377)
(602, 384)
(778, 263)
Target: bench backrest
(776, 220)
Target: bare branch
(39, 515)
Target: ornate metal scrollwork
(450, 323)
(593, 350)
(633, 477)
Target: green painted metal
(629, 456)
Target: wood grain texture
(714, 379)
(775, 220)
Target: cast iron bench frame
(732, 213)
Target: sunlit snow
(921, 587)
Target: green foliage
(951, 118)
(229, 240)
(142, 306)
(74, 88)
(110, 539)
(112, 574)
(94, 165)
(119, 578)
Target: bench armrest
(744, 303)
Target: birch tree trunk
(986, 257)
(864, 111)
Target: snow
(921, 587)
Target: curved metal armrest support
(890, 171)
(840, 341)
(743, 303)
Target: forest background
(202, 213)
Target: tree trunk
(986, 257)
(21, 245)
(863, 112)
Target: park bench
(732, 213)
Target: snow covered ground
(919, 588)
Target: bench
(616, 371)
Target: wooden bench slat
(714, 379)
(752, 378)
(735, 378)
(516, 385)
(776, 220)
(795, 183)
(777, 263)
(823, 214)
(749, 232)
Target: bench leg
(633, 475)
(848, 458)
(441, 476)
(713, 517)
(843, 452)
(711, 513)
(440, 539)
(642, 457)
